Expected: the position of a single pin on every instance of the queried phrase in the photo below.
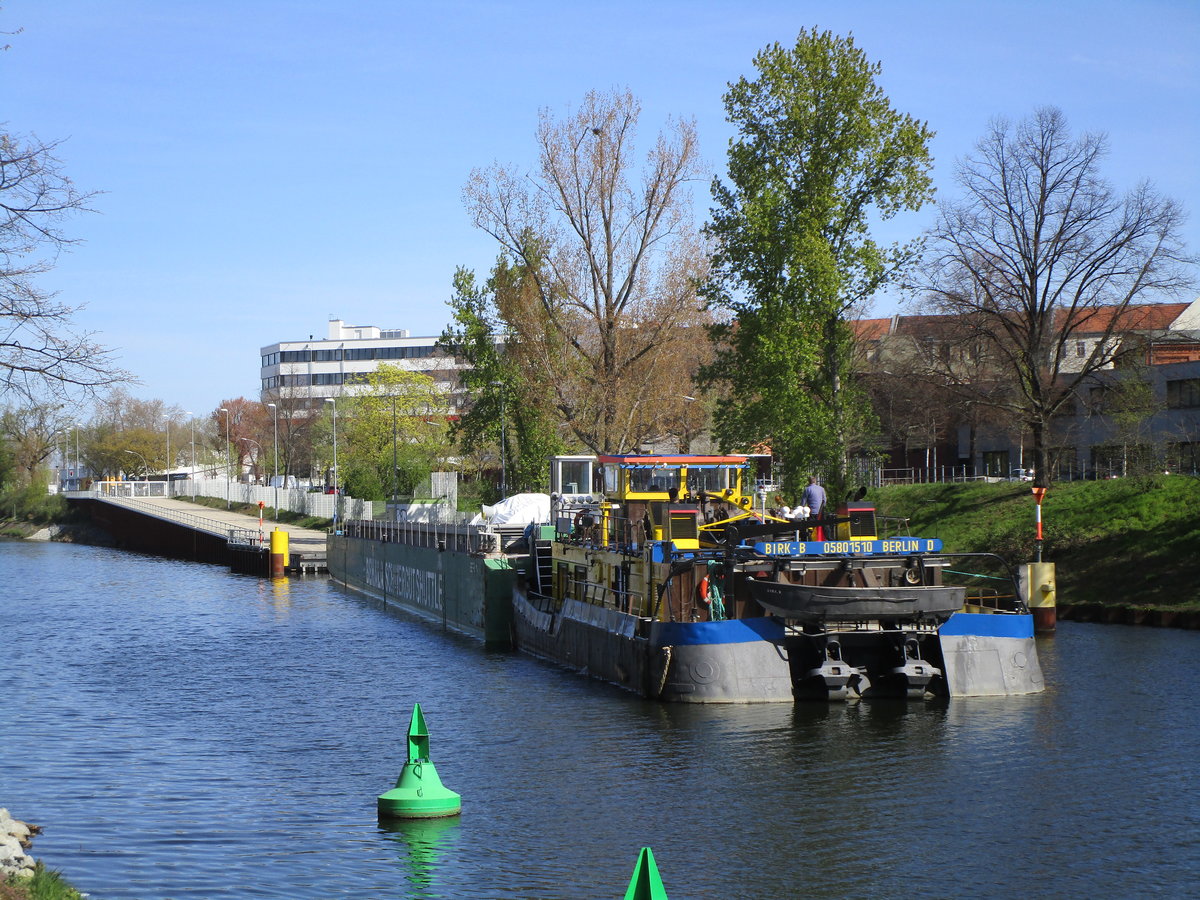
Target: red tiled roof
(1150, 317)
(1146, 317)
(871, 329)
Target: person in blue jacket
(814, 497)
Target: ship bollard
(279, 553)
(418, 793)
(646, 883)
(1040, 593)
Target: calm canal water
(181, 732)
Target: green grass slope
(1126, 542)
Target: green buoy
(646, 883)
(418, 793)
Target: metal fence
(308, 503)
(929, 475)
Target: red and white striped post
(1039, 579)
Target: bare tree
(1040, 249)
(614, 262)
(41, 351)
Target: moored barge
(658, 574)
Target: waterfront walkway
(306, 546)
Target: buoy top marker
(418, 737)
(646, 883)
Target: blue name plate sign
(844, 548)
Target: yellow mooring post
(646, 883)
(279, 553)
(1037, 580)
(1040, 594)
(418, 793)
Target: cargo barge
(664, 579)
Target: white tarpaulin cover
(519, 509)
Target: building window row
(352, 354)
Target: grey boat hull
(809, 603)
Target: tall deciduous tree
(819, 153)
(612, 259)
(390, 432)
(1040, 248)
(41, 350)
(509, 396)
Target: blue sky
(268, 164)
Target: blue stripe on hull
(732, 631)
(988, 625)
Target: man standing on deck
(814, 499)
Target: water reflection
(421, 843)
(276, 591)
(159, 712)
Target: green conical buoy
(646, 883)
(418, 793)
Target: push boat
(673, 585)
(660, 575)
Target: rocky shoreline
(15, 838)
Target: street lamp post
(503, 449)
(63, 462)
(394, 459)
(145, 464)
(167, 469)
(193, 474)
(337, 494)
(78, 465)
(275, 444)
(228, 461)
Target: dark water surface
(181, 732)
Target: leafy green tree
(137, 451)
(508, 398)
(819, 154)
(31, 432)
(393, 425)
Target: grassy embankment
(46, 884)
(1129, 542)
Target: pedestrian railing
(199, 523)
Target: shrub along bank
(1127, 542)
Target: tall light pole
(275, 445)
(337, 494)
(503, 450)
(228, 461)
(62, 457)
(78, 465)
(167, 469)
(192, 479)
(394, 460)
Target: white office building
(311, 370)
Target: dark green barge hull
(466, 592)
